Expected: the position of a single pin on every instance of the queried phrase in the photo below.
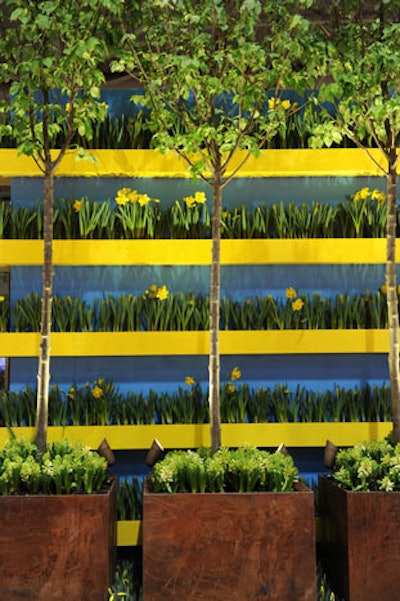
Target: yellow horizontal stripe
(257, 342)
(129, 533)
(198, 435)
(151, 163)
(197, 252)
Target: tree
(49, 57)
(363, 74)
(206, 66)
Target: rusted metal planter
(57, 548)
(229, 546)
(359, 540)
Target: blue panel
(314, 372)
(239, 282)
(251, 191)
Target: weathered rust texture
(229, 547)
(57, 548)
(359, 533)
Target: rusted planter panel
(57, 548)
(229, 547)
(360, 546)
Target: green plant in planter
(370, 466)
(245, 469)
(63, 469)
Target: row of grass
(101, 403)
(136, 215)
(157, 309)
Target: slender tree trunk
(215, 292)
(392, 302)
(43, 376)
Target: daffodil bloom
(236, 373)
(230, 387)
(189, 381)
(162, 293)
(143, 199)
(297, 305)
(123, 196)
(286, 104)
(291, 292)
(77, 206)
(200, 198)
(153, 291)
(378, 196)
(362, 194)
(189, 201)
(2, 299)
(97, 392)
(384, 289)
(273, 103)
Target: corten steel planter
(359, 540)
(229, 546)
(57, 548)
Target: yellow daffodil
(97, 392)
(230, 387)
(236, 373)
(2, 299)
(297, 305)
(189, 201)
(153, 291)
(77, 206)
(200, 198)
(361, 194)
(378, 196)
(162, 293)
(189, 381)
(143, 199)
(286, 104)
(123, 196)
(291, 292)
(384, 289)
(273, 103)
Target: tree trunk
(392, 302)
(43, 376)
(215, 291)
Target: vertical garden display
(50, 56)
(362, 70)
(206, 68)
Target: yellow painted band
(253, 342)
(197, 252)
(198, 435)
(129, 533)
(151, 163)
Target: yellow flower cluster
(365, 193)
(236, 374)
(189, 381)
(198, 199)
(77, 206)
(156, 292)
(275, 103)
(97, 392)
(297, 304)
(128, 196)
